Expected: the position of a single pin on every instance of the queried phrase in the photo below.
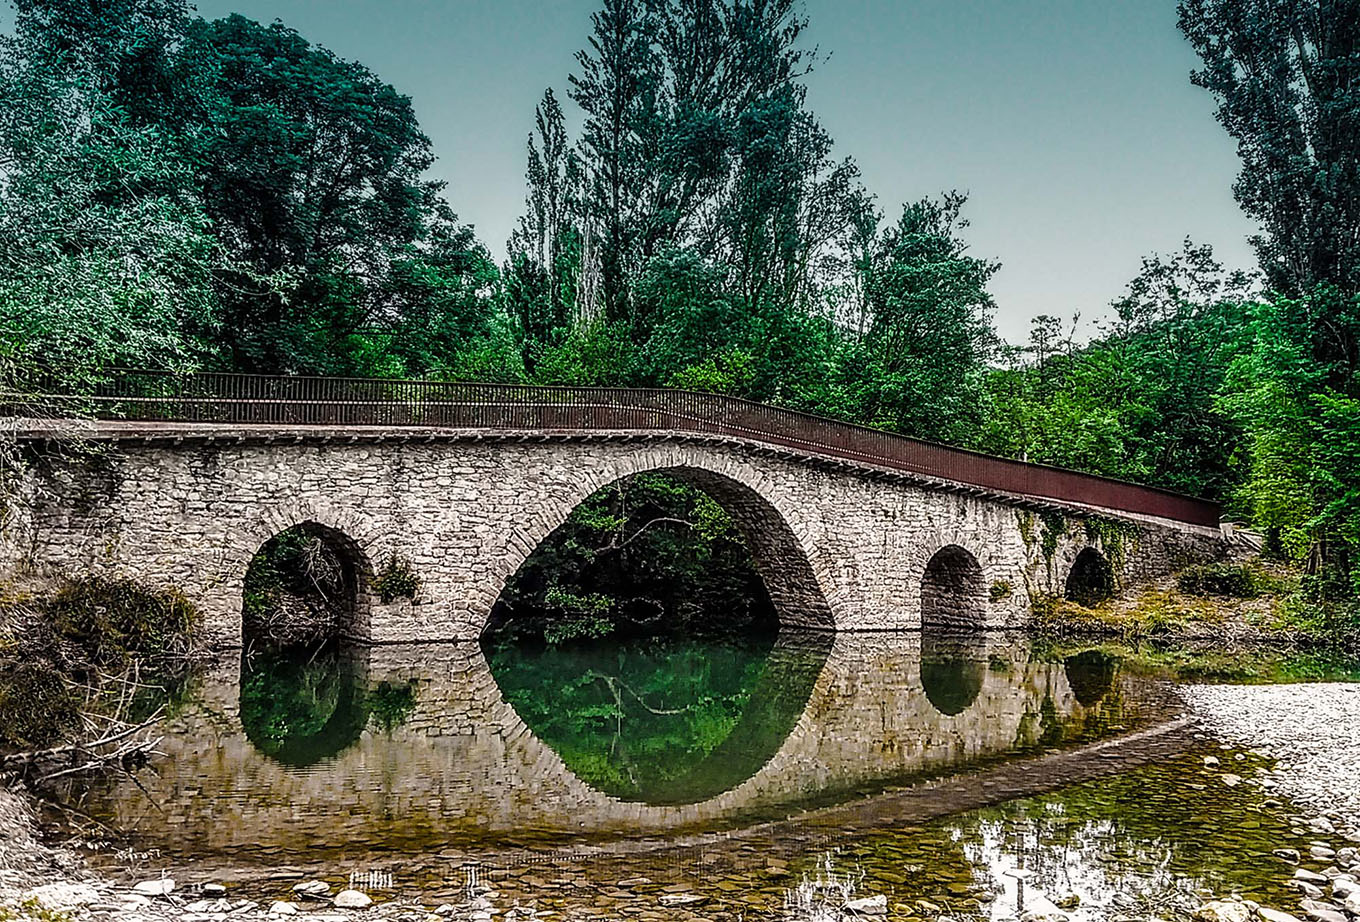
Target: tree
(918, 368)
(106, 256)
(1286, 74)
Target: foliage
(301, 589)
(390, 706)
(111, 621)
(37, 706)
(396, 580)
(1285, 75)
(1220, 579)
(302, 706)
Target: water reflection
(662, 720)
(953, 666)
(425, 747)
(300, 707)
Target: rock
(210, 906)
(926, 906)
(161, 887)
(1288, 854)
(1322, 852)
(352, 899)
(312, 889)
(214, 890)
(1352, 903)
(1210, 761)
(680, 899)
(868, 906)
(282, 908)
(1322, 912)
(635, 882)
(1068, 903)
(443, 910)
(1312, 877)
(1222, 911)
(63, 896)
(1342, 888)
(1274, 915)
(1309, 890)
(1232, 780)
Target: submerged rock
(1223, 911)
(868, 906)
(1274, 915)
(1287, 854)
(162, 887)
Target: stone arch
(353, 578)
(1091, 579)
(953, 591)
(785, 563)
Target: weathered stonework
(840, 547)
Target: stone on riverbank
(1223, 911)
(1274, 915)
(352, 899)
(63, 896)
(162, 887)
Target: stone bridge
(844, 540)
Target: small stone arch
(784, 564)
(1091, 579)
(352, 579)
(953, 591)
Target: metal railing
(209, 397)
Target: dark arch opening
(304, 587)
(678, 551)
(953, 591)
(953, 666)
(1091, 579)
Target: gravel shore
(1312, 730)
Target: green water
(737, 772)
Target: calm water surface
(922, 767)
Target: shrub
(112, 621)
(396, 580)
(37, 706)
(1234, 581)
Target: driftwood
(116, 745)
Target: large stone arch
(790, 567)
(1091, 578)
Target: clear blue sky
(1072, 123)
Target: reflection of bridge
(853, 528)
(464, 769)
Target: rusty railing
(210, 397)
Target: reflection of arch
(952, 669)
(1091, 579)
(349, 594)
(953, 591)
(300, 707)
(1091, 675)
(636, 759)
(779, 556)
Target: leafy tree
(1286, 74)
(918, 368)
(106, 255)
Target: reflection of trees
(662, 721)
(300, 707)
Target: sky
(1072, 124)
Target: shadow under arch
(953, 667)
(1091, 579)
(307, 584)
(953, 591)
(301, 707)
(779, 557)
(750, 690)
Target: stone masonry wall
(838, 547)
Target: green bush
(1233, 581)
(396, 580)
(37, 706)
(112, 621)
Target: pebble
(312, 889)
(162, 887)
(1274, 915)
(283, 908)
(1288, 854)
(352, 899)
(1222, 911)
(1322, 912)
(868, 906)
